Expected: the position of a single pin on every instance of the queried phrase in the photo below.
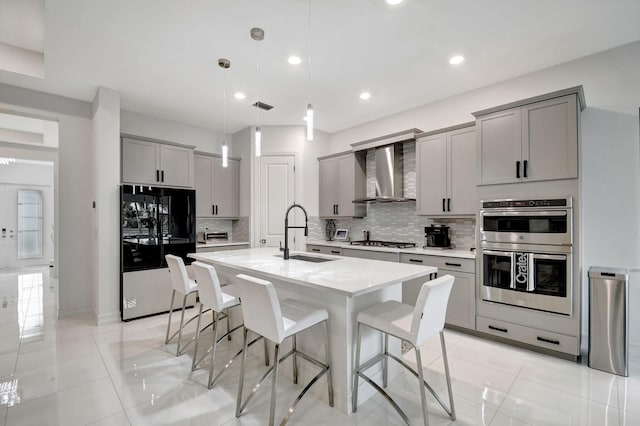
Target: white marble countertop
(222, 243)
(462, 254)
(344, 275)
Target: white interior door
(276, 195)
(8, 226)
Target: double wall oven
(527, 253)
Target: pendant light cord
(309, 52)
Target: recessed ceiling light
(394, 2)
(365, 95)
(456, 60)
(239, 95)
(294, 60)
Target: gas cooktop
(374, 243)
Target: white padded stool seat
(297, 316)
(391, 317)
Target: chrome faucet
(286, 227)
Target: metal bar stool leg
(446, 371)
(423, 391)
(195, 349)
(184, 304)
(274, 383)
(295, 359)
(385, 361)
(242, 367)
(266, 352)
(228, 325)
(354, 390)
(173, 296)
(213, 350)
(327, 353)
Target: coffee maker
(437, 236)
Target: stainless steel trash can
(608, 320)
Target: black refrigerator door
(141, 228)
(178, 222)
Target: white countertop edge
(226, 243)
(458, 253)
(207, 257)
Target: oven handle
(525, 213)
(511, 255)
(548, 256)
(531, 285)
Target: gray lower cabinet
(324, 249)
(371, 254)
(461, 310)
(529, 335)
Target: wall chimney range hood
(389, 166)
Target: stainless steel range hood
(389, 175)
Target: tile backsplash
(397, 221)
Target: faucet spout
(287, 227)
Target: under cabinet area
(342, 180)
(146, 161)
(461, 310)
(217, 187)
(209, 249)
(445, 176)
(536, 140)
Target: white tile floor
(70, 372)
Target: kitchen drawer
(371, 254)
(324, 249)
(440, 262)
(529, 335)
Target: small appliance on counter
(437, 236)
(212, 237)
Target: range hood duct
(389, 175)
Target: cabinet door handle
(416, 260)
(337, 209)
(443, 205)
(503, 330)
(157, 175)
(553, 342)
(315, 249)
(335, 251)
(161, 175)
(448, 204)
(525, 168)
(213, 209)
(453, 264)
(216, 210)
(518, 169)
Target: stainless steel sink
(305, 258)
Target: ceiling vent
(263, 106)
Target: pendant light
(258, 35)
(309, 115)
(225, 64)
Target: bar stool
(213, 298)
(274, 320)
(411, 324)
(185, 286)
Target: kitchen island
(342, 285)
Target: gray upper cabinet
(533, 142)
(342, 180)
(217, 187)
(154, 163)
(445, 173)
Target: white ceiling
(161, 55)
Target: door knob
(263, 241)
